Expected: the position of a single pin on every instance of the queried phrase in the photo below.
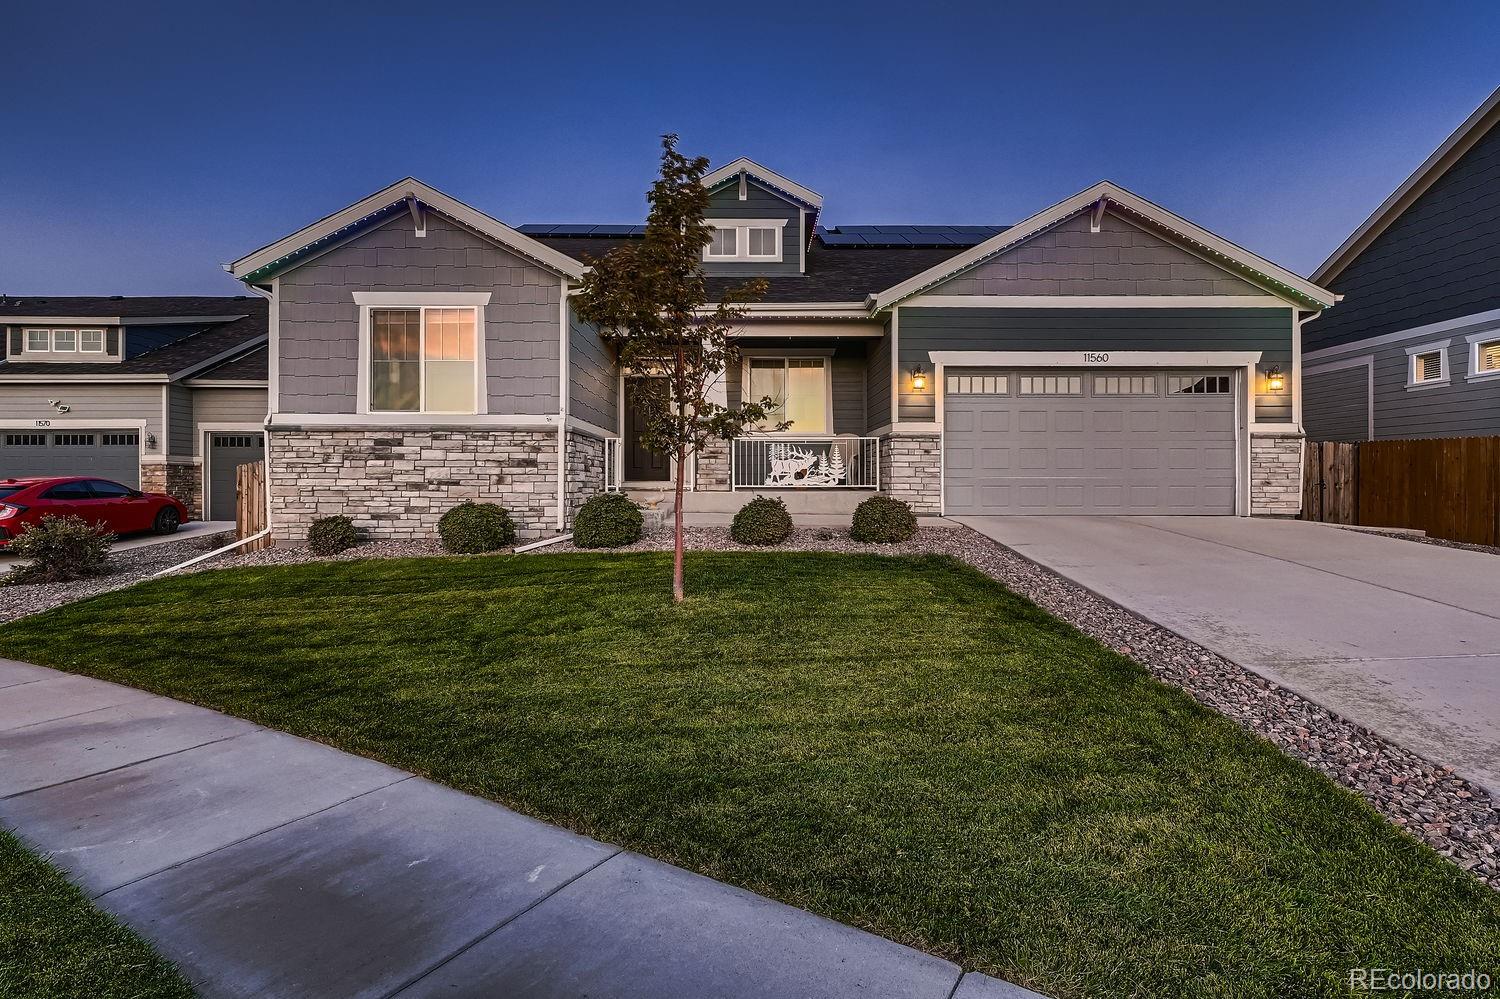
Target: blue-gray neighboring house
(1102, 356)
(1413, 350)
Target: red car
(123, 510)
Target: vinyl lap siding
(319, 322)
(924, 330)
(226, 405)
(1459, 409)
(1439, 260)
(759, 203)
(87, 402)
(878, 381)
(1335, 404)
(593, 388)
(180, 417)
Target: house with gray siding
(1413, 350)
(1102, 356)
(164, 394)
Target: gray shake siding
(593, 387)
(1119, 259)
(1439, 260)
(759, 203)
(180, 415)
(923, 330)
(87, 401)
(319, 322)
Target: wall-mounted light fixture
(918, 378)
(150, 442)
(1274, 381)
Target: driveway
(1401, 637)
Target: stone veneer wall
(911, 470)
(712, 473)
(396, 483)
(585, 470)
(182, 480)
(1276, 474)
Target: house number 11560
(1094, 358)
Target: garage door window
(73, 440)
(978, 385)
(1051, 384)
(1124, 384)
(237, 440)
(25, 440)
(1198, 385)
(121, 440)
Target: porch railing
(612, 478)
(804, 463)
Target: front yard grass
(54, 943)
(901, 744)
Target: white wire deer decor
(796, 466)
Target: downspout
(562, 409)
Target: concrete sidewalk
(263, 864)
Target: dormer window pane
(65, 340)
(91, 341)
(723, 243)
(762, 242)
(38, 340)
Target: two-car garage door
(107, 454)
(1060, 441)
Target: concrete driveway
(1401, 637)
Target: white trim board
(1096, 359)
(1094, 302)
(415, 421)
(1430, 329)
(1204, 241)
(765, 175)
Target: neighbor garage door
(226, 453)
(1088, 442)
(107, 454)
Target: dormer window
(91, 341)
(64, 341)
(745, 240)
(38, 341)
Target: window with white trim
(424, 360)
(39, 340)
(750, 240)
(1051, 384)
(1427, 367)
(798, 389)
(91, 341)
(1485, 359)
(64, 341)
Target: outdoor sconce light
(1274, 381)
(918, 378)
(150, 442)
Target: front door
(641, 464)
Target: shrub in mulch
(762, 521)
(883, 520)
(60, 549)
(472, 528)
(609, 520)
(331, 535)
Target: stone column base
(911, 468)
(712, 468)
(1276, 474)
(182, 480)
(585, 470)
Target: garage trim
(1243, 361)
(205, 444)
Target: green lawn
(897, 743)
(54, 943)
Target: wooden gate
(250, 504)
(1448, 487)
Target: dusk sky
(143, 150)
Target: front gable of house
(763, 221)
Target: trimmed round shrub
(762, 521)
(883, 520)
(471, 528)
(609, 520)
(331, 535)
(60, 549)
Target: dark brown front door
(641, 465)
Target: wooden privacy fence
(1449, 488)
(250, 504)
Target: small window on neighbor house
(723, 243)
(39, 340)
(64, 341)
(1487, 357)
(91, 341)
(1427, 367)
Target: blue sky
(144, 145)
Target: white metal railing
(612, 478)
(778, 462)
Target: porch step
(656, 506)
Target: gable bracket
(744, 187)
(1097, 216)
(418, 214)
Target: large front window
(797, 388)
(422, 360)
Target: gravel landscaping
(128, 567)
(1423, 539)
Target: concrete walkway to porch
(264, 864)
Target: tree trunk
(677, 590)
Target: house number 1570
(1095, 358)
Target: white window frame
(1445, 372)
(1477, 342)
(91, 350)
(742, 253)
(372, 300)
(46, 338)
(64, 350)
(749, 354)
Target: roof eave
(785, 185)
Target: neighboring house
(166, 394)
(1103, 356)
(1413, 350)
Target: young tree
(650, 299)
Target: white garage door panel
(1089, 454)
